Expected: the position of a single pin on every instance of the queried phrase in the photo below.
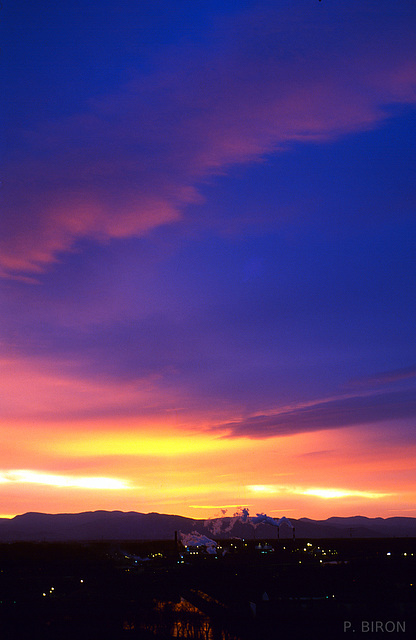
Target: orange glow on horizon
(278, 475)
(179, 462)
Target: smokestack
(176, 540)
(293, 533)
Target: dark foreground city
(248, 590)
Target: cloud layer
(330, 414)
(133, 160)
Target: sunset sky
(207, 257)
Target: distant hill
(119, 525)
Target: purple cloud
(384, 378)
(134, 160)
(332, 414)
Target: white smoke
(196, 539)
(284, 520)
(218, 525)
(263, 518)
(242, 515)
(215, 524)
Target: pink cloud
(133, 161)
(42, 389)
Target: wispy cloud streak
(330, 414)
(384, 378)
(24, 476)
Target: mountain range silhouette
(119, 525)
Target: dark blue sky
(209, 213)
